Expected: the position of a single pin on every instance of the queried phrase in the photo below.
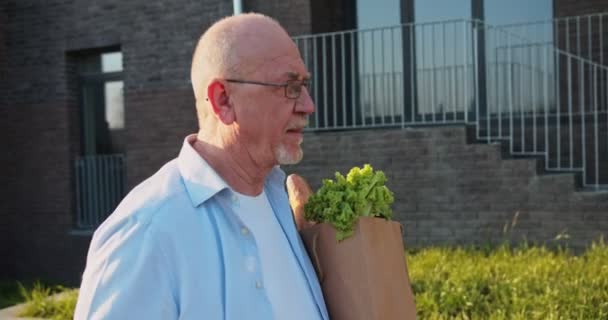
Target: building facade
(96, 96)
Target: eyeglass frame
(303, 83)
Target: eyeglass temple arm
(258, 83)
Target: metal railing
(583, 36)
(540, 98)
(559, 113)
(100, 185)
(387, 76)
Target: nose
(304, 103)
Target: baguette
(298, 191)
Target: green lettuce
(361, 193)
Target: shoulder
(162, 187)
(138, 212)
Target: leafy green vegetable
(341, 202)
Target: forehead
(272, 55)
(286, 68)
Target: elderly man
(211, 234)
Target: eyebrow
(295, 75)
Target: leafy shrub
(466, 283)
(46, 302)
(510, 283)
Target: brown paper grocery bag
(363, 277)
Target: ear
(218, 96)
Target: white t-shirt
(284, 280)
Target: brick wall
(451, 192)
(330, 16)
(294, 15)
(586, 36)
(40, 118)
(171, 115)
(39, 121)
(4, 227)
(41, 43)
(566, 8)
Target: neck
(234, 164)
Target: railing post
(315, 82)
(546, 103)
(433, 72)
(355, 104)
(465, 80)
(78, 194)
(558, 91)
(582, 117)
(324, 92)
(409, 63)
(343, 79)
(477, 12)
(334, 93)
(595, 129)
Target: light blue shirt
(175, 249)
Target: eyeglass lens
(294, 88)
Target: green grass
(49, 302)
(467, 283)
(510, 283)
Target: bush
(45, 302)
(510, 283)
(465, 283)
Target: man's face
(269, 123)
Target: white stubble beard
(283, 156)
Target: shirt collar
(201, 180)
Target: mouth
(295, 134)
(295, 130)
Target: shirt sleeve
(127, 275)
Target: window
(380, 59)
(100, 171)
(102, 102)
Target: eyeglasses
(293, 88)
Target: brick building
(95, 97)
